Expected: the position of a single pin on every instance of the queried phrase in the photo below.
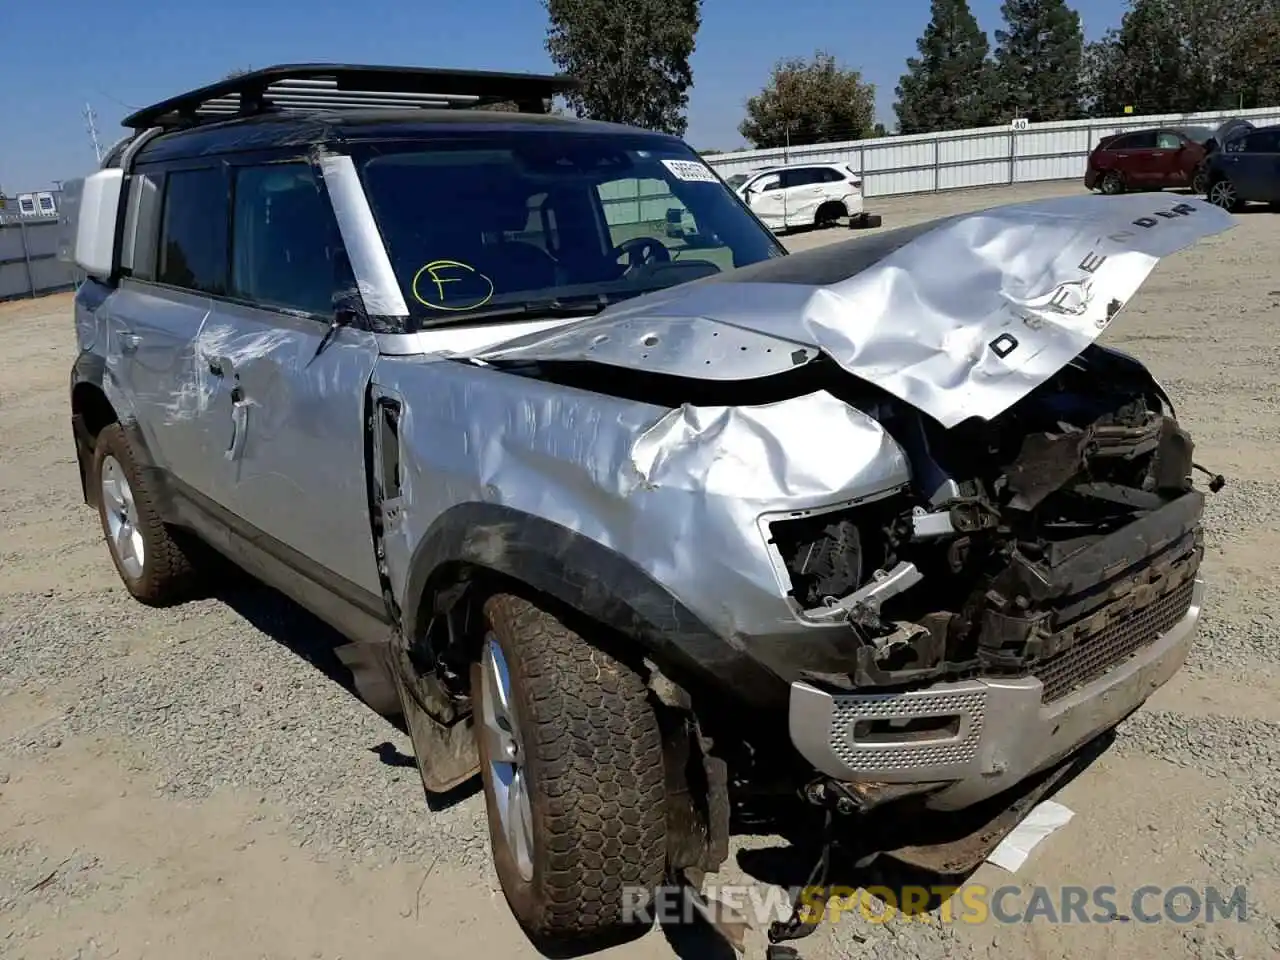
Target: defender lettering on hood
(960, 317)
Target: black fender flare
(593, 580)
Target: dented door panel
(149, 337)
(290, 433)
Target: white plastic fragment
(1014, 849)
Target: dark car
(1144, 160)
(1247, 168)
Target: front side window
(286, 241)
(193, 231)
(485, 224)
(1168, 141)
(1135, 141)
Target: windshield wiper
(581, 306)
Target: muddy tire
(154, 567)
(1112, 183)
(589, 836)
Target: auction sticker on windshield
(690, 170)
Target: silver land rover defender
(635, 521)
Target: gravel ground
(165, 775)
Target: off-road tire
(168, 575)
(1112, 183)
(594, 771)
(829, 213)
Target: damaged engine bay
(992, 564)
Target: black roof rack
(335, 86)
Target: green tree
(949, 85)
(1171, 56)
(810, 101)
(1038, 60)
(631, 58)
(1140, 65)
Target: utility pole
(91, 122)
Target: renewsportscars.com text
(972, 903)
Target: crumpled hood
(960, 317)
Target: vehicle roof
(304, 128)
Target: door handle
(239, 426)
(129, 341)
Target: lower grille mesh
(1094, 656)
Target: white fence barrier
(988, 156)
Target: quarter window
(193, 234)
(285, 239)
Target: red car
(1147, 160)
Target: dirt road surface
(195, 783)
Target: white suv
(811, 194)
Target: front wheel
(1223, 194)
(571, 759)
(1112, 183)
(1200, 182)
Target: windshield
(737, 180)
(1197, 134)
(489, 225)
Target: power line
(91, 123)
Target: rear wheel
(1223, 194)
(155, 568)
(1112, 183)
(571, 759)
(1200, 182)
(829, 213)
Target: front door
(293, 435)
(1255, 166)
(768, 200)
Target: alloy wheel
(124, 536)
(505, 750)
(1223, 193)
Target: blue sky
(60, 54)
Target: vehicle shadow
(913, 889)
(314, 641)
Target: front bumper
(997, 731)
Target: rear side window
(193, 231)
(830, 176)
(286, 240)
